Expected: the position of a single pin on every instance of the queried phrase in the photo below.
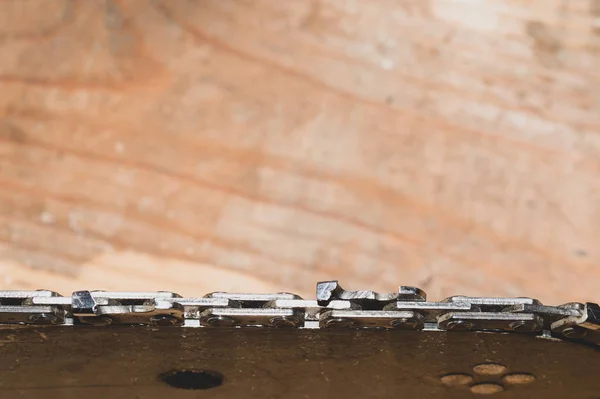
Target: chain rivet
(164, 320)
(220, 321)
(519, 326)
(405, 324)
(459, 325)
(284, 321)
(339, 323)
(97, 321)
(574, 333)
(43, 318)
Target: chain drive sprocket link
(334, 307)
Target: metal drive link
(334, 307)
(17, 307)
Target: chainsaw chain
(334, 307)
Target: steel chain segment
(334, 307)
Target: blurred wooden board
(264, 145)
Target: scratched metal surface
(124, 363)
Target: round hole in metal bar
(486, 388)
(192, 379)
(489, 368)
(456, 379)
(519, 378)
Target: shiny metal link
(334, 307)
(193, 307)
(40, 315)
(258, 317)
(252, 300)
(431, 310)
(102, 307)
(7, 297)
(328, 291)
(585, 325)
(371, 319)
(486, 321)
(492, 304)
(17, 307)
(311, 308)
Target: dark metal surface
(126, 362)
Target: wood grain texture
(264, 145)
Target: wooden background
(264, 145)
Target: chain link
(333, 308)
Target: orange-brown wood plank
(197, 146)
